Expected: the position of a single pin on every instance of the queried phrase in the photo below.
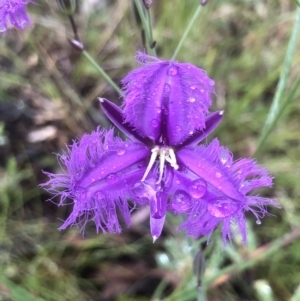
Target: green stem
(187, 30)
(278, 101)
(101, 71)
(150, 25)
(147, 26)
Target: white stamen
(162, 160)
(172, 159)
(165, 154)
(155, 152)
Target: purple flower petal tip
(13, 13)
(172, 97)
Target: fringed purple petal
(227, 196)
(13, 12)
(166, 98)
(205, 162)
(100, 171)
(214, 210)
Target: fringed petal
(227, 196)
(13, 12)
(100, 171)
(166, 100)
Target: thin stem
(187, 30)
(278, 101)
(146, 27)
(74, 27)
(91, 59)
(150, 25)
(101, 71)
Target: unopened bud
(76, 45)
(147, 3)
(203, 2)
(67, 6)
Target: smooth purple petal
(156, 226)
(165, 100)
(100, 171)
(115, 115)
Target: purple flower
(162, 165)
(13, 12)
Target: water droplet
(193, 87)
(112, 178)
(218, 175)
(165, 110)
(258, 222)
(172, 71)
(181, 202)
(121, 152)
(191, 132)
(167, 88)
(140, 190)
(80, 194)
(191, 99)
(178, 128)
(222, 208)
(197, 189)
(99, 196)
(155, 123)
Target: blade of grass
(187, 30)
(101, 71)
(278, 102)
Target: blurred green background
(48, 97)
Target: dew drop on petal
(258, 222)
(167, 88)
(158, 110)
(172, 71)
(140, 190)
(191, 99)
(193, 87)
(222, 208)
(181, 202)
(197, 189)
(178, 128)
(218, 175)
(112, 178)
(80, 194)
(100, 196)
(154, 123)
(121, 152)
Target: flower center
(165, 154)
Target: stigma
(165, 154)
